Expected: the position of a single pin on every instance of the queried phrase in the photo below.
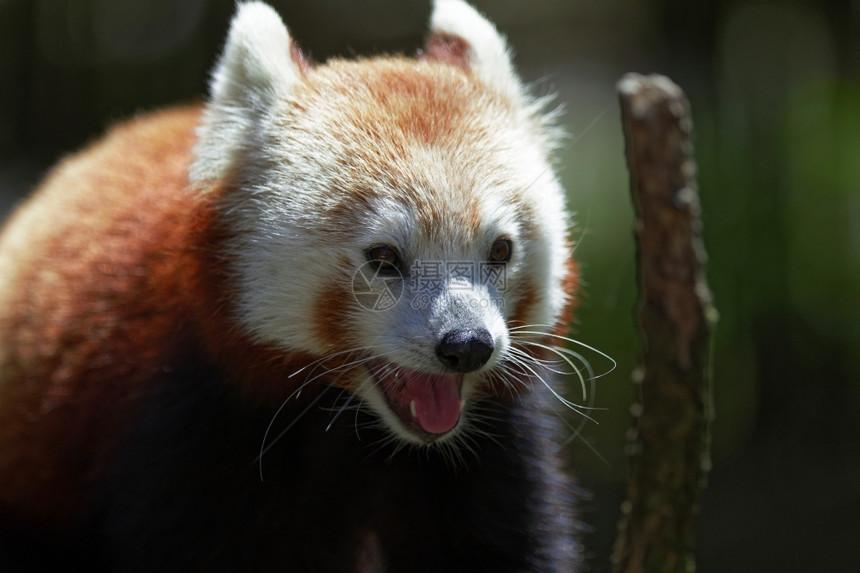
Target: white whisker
(339, 370)
(560, 352)
(265, 448)
(516, 331)
(523, 359)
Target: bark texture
(669, 442)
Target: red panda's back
(87, 289)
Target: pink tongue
(437, 400)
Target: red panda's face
(399, 219)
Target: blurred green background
(776, 103)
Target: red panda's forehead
(425, 134)
(424, 137)
(407, 214)
(397, 101)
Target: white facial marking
(327, 163)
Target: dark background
(776, 103)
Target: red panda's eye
(501, 250)
(384, 258)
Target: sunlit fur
(187, 283)
(380, 173)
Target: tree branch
(669, 449)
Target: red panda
(302, 327)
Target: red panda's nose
(465, 349)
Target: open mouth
(428, 404)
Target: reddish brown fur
(424, 104)
(121, 211)
(440, 118)
(409, 108)
(330, 315)
(87, 350)
(117, 274)
(571, 287)
(260, 370)
(53, 393)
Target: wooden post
(669, 444)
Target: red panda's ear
(259, 66)
(461, 36)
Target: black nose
(466, 349)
